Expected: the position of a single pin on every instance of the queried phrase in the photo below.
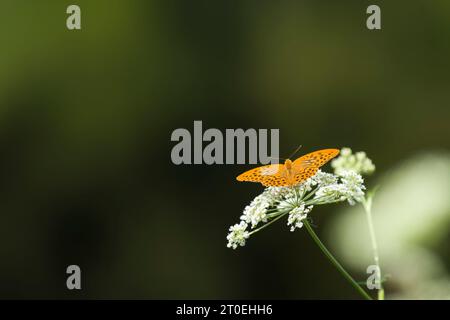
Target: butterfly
(291, 172)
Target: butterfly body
(288, 164)
(291, 172)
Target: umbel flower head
(296, 202)
(358, 162)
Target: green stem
(281, 214)
(309, 195)
(335, 262)
(367, 204)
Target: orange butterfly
(290, 173)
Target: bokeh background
(85, 124)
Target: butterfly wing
(307, 165)
(272, 175)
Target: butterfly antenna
(296, 150)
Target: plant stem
(367, 204)
(281, 214)
(335, 262)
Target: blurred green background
(85, 124)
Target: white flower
(355, 186)
(323, 179)
(358, 162)
(345, 152)
(237, 236)
(297, 215)
(290, 198)
(255, 212)
(288, 201)
(306, 185)
(334, 192)
(350, 188)
(276, 193)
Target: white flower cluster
(255, 212)
(237, 236)
(351, 189)
(296, 202)
(358, 162)
(297, 215)
(355, 186)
